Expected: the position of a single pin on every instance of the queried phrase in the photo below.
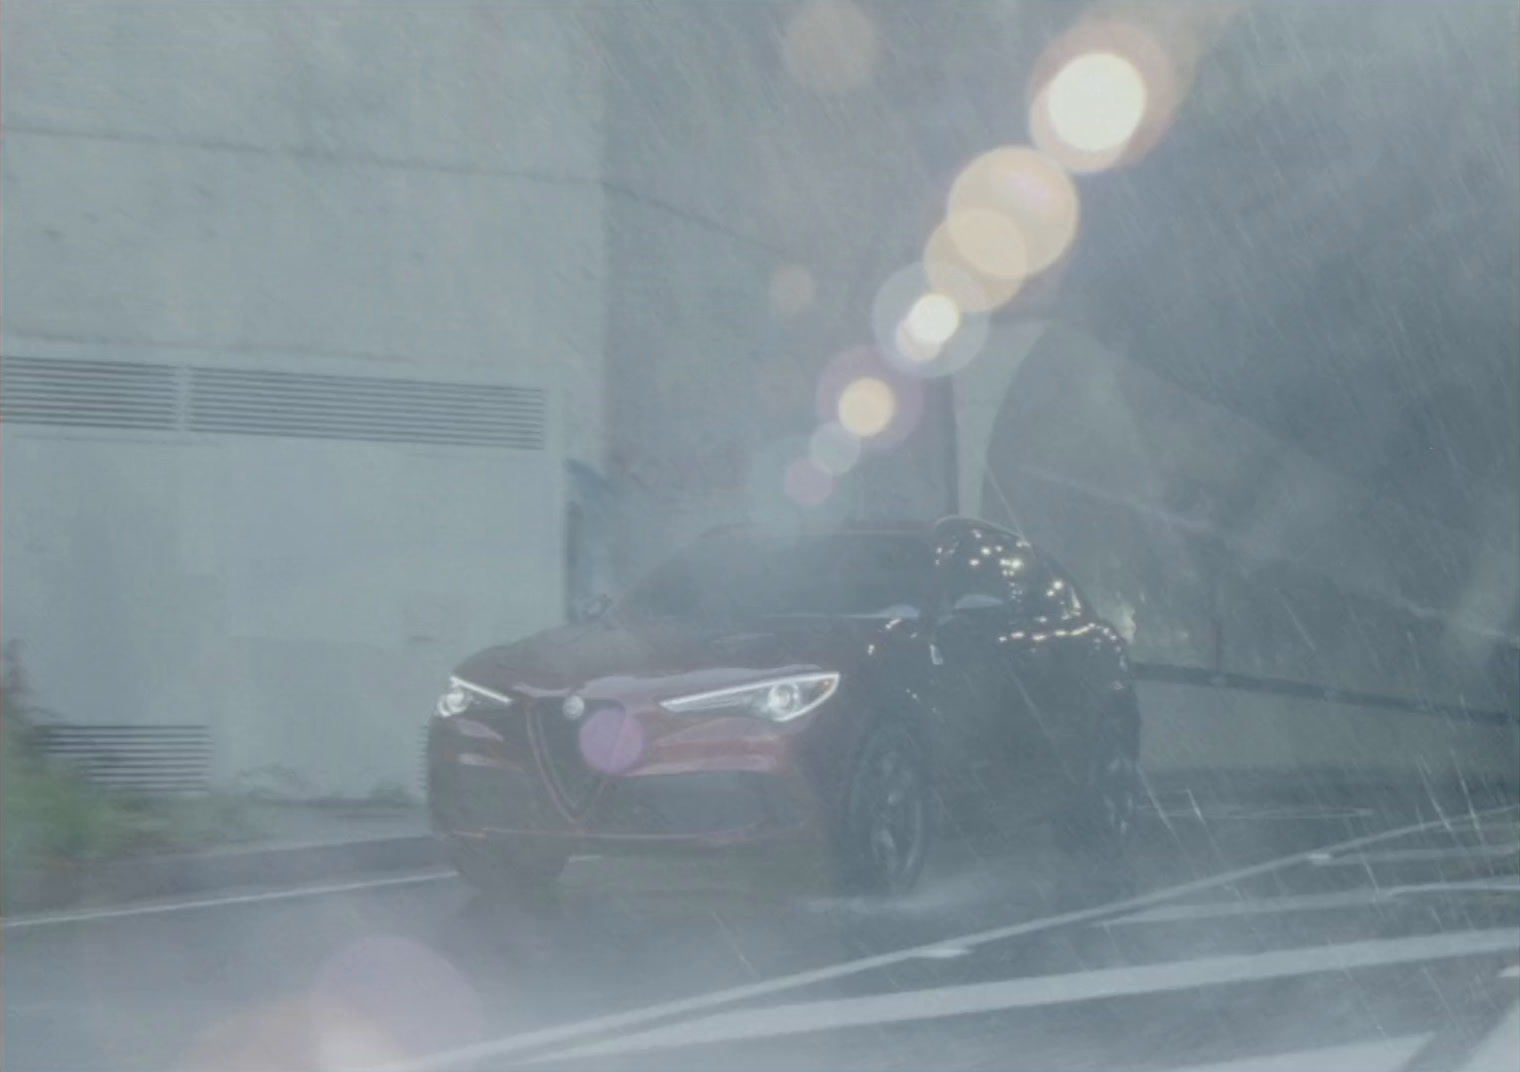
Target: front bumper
(520, 771)
(719, 808)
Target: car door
(1049, 655)
(990, 738)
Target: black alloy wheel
(888, 815)
(1104, 816)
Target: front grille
(559, 746)
(481, 798)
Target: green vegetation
(53, 818)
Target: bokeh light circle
(867, 406)
(611, 740)
(1103, 94)
(923, 329)
(946, 271)
(933, 319)
(390, 992)
(834, 448)
(1096, 102)
(895, 395)
(1032, 195)
(991, 241)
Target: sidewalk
(291, 844)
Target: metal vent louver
(87, 394)
(151, 760)
(256, 402)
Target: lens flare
(867, 406)
(834, 448)
(611, 740)
(392, 991)
(923, 331)
(1096, 102)
(933, 319)
(1103, 93)
(991, 242)
(1012, 189)
(871, 394)
(949, 273)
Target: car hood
(627, 660)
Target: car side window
(987, 568)
(1053, 595)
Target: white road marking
(1314, 902)
(944, 952)
(1500, 1049)
(53, 919)
(1177, 913)
(1384, 1055)
(1031, 992)
(1215, 814)
(1410, 856)
(1480, 885)
(494, 1049)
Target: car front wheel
(1104, 814)
(885, 832)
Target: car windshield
(747, 579)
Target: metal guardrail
(1187, 675)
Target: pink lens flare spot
(388, 997)
(612, 741)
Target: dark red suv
(845, 687)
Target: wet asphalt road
(1388, 954)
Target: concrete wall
(1218, 548)
(1076, 444)
(1201, 736)
(400, 191)
(591, 199)
(725, 169)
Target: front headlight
(462, 695)
(779, 700)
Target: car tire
(1102, 818)
(496, 868)
(886, 830)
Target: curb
(122, 881)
